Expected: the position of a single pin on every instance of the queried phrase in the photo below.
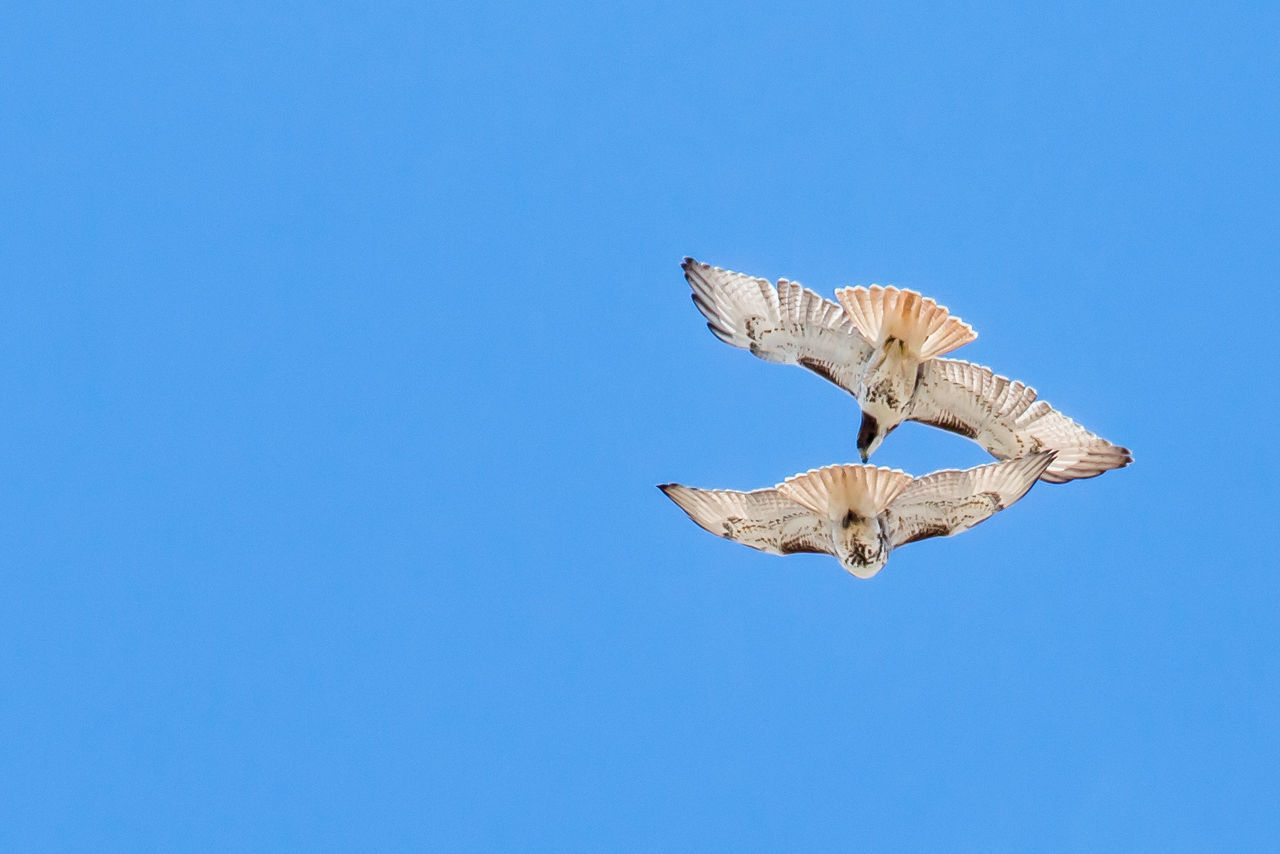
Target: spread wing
(1005, 417)
(788, 324)
(762, 519)
(946, 502)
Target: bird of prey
(883, 345)
(859, 513)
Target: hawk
(859, 513)
(883, 345)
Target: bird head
(861, 545)
(872, 433)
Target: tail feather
(835, 490)
(927, 329)
(867, 314)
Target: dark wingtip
(1112, 458)
(665, 487)
(703, 306)
(721, 334)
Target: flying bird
(859, 513)
(883, 345)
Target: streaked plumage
(859, 513)
(883, 346)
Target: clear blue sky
(341, 347)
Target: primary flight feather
(883, 346)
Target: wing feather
(1005, 417)
(789, 324)
(950, 501)
(762, 519)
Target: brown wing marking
(821, 368)
(948, 421)
(802, 545)
(924, 532)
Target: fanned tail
(926, 328)
(834, 490)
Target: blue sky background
(341, 347)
